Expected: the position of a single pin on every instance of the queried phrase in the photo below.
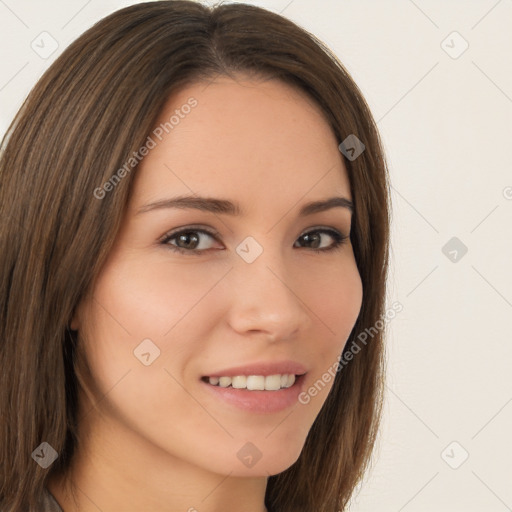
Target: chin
(261, 459)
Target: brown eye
(195, 241)
(313, 239)
(189, 241)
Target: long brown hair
(90, 111)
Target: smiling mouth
(254, 382)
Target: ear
(75, 323)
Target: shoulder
(49, 503)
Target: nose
(266, 299)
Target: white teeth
(224, 382)
(255, 382)
(239, 382)
(273, 382)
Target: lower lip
(263, 402)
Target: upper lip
(264, 368)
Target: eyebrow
(223, 206)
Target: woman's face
(246, 296)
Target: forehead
(247, 140)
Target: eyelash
(338, 243)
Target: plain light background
(445, 115)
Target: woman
(195, 229)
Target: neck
(115, 469)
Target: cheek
(154, 307)
(151, 299)
(147, 310)
(335, 301)
(335, 298)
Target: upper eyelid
(173, 232)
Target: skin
(156, 440)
